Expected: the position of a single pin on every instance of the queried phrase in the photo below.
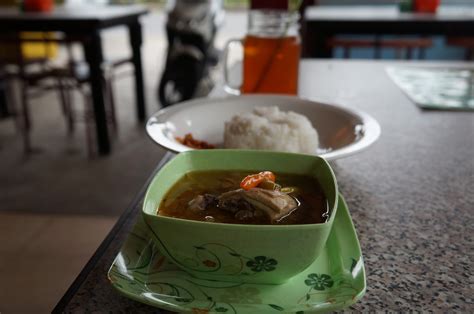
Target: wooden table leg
(135, 31)
(93, 53)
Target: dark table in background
(324, 22)
(411, 197)
(84, 23)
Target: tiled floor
(41, 255)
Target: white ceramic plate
(342, 131)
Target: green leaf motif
(262, 263)
(199, 247)
(354, 263)
(300, 312)
(234, 254)
(276, 307)
(319, 281)
(221, 309)
(308, 297)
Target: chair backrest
(47, 49)
(18, 48)
(27, 47)
(404, 47)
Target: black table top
(65, 16)
(410, 196)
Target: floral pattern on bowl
(334, 281)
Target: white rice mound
(268, 128)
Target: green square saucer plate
(334, 281)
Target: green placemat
(436, 88)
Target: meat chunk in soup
(273, 204)
(224, 197)
(202, 202)
(246, 204)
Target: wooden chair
(65, 79)
(77, 78)
(33, 75)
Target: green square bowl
(268, 254)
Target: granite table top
(411, 197)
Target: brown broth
(313, 206)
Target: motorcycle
(191, 28)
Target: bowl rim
(252, 227)
(370, 128)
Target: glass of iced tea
(271, 54)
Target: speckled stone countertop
(411, 197)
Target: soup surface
(218, 196)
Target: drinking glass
(271, 54)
